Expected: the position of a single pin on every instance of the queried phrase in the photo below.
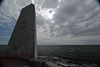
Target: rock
(36, 62)
(49, 64)
(26, 66)
(88, 65)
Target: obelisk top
(29, 5)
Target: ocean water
(69, 55)
(72, 55)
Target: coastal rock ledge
(37, 62)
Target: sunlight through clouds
(33, 1)
(46, 13)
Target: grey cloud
(75, 15)
(48, 3)
(39, 20)
(22, 3)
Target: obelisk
(23, 38)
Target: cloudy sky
(59, 22)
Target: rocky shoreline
(69, 62)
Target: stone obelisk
(23, 38)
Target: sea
(69, 55)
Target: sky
(58, 22)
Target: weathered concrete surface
(23, 39)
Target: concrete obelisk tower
(23, 39)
